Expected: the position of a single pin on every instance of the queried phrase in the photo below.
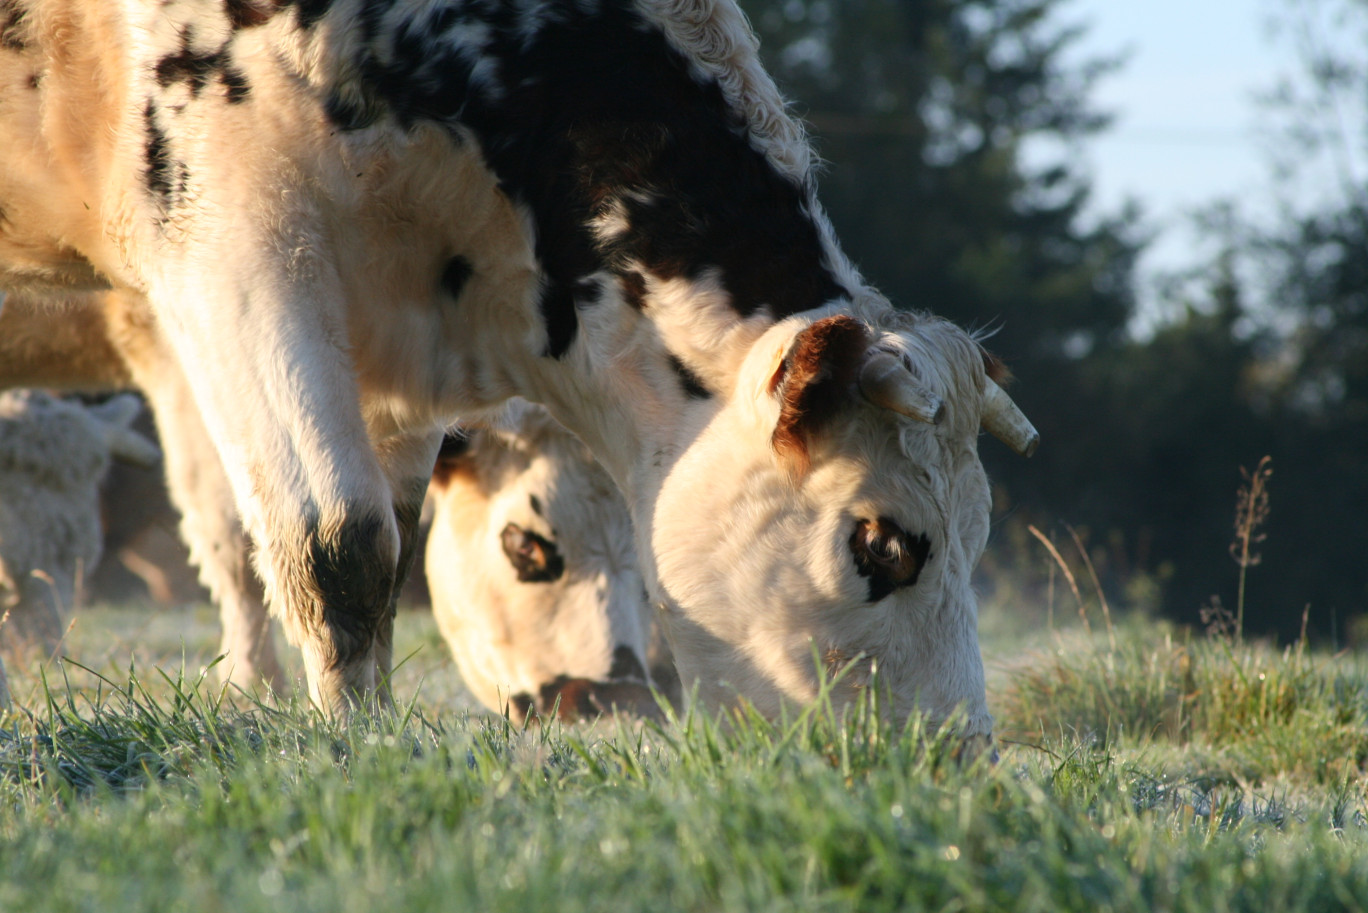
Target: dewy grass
(1265, 711)
(152, 792)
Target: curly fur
(53, 455)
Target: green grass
(1167, 774)
(1236, 711)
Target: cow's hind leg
(200, 490)
(408, 462)
(218, 544)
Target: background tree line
(924, 110)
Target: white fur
(784, 554)
(510, 637)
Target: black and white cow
(357, 219)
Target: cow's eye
(534, 558)
(888, 555)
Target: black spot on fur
(372, 11)
(693, 386)
(455, 274)
(535, 559)
(244, 14)
(558, 313)
(197, 68)
(188, 66)
(13, 33)
(626, 665)
(347, 113)
(309, 11)
(160, 170)
(353, 582)
(235, 85)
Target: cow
(533, 574)
(54, 453)
(357, 220)
(531, 566)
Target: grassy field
(1166, 772)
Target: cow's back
(62, 88)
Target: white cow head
(830, 512)
(533, 573)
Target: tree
(924, 108)
(1299, 390)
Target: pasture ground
(1165, 772)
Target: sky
(1184, 108)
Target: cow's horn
(886, 382)
(1004, 421)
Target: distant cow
(53, 455)
(358, 220)
(96, 342)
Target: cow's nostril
(973, 747)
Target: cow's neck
(629, 158)
(671, 220)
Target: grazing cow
(532, 567)
(533, 573)
(359, 219)
(53, 455)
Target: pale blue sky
(1184, 107)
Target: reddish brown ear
(815, 383)
(996, 368)
(452, 458)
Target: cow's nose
(973, 747)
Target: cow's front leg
(407, 462)
(335, 574)
(267, 358)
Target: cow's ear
(995, 368)
(814, 383)
(453, 457)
